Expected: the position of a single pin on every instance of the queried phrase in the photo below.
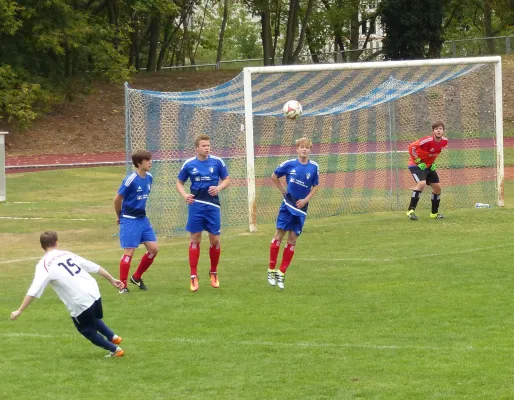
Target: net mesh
(360, 122)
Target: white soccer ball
(292, 109)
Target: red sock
(287, 256)
(145, 263)
(214, 254)
(194, 255)
(273, 253)
(125, 268)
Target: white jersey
(68, 275)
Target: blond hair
(305, 141)
(201, 137)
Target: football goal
(360, 117)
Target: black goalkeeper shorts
(424, 175)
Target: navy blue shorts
(203, 217)
(88, 318)
(133, 232)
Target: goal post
(498, 112)
(360, 117)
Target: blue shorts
(133, 232)
(203, 217)
(289, 222)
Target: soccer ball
(292, 109)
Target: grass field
(375, 307)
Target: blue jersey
(300, 180)
(135, 191)
(204, 174)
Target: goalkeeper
(423, 154)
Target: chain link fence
(486, 46)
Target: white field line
(117, 250)
(40, 218)
(248, 343)
(264, 259)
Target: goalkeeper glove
(422, 166)
(433, 167)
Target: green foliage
(9, 22)
(413, 28)
(46, 45)
(20, 102)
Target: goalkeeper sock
(194, 255)
(125, 268)
(436, 199)
(145, 263)
(287, 256)
(214, 254)
(273, 253)
(414, 199)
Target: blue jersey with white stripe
(203, 174)
(135, 191)
(300, 179)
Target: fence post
(454, 49)
(507, 44)
(3, 189)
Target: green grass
(375, 307)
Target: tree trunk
(488, 13)
(276, 30)
(222, 31)
(312, 50)
(354, 35)
(155, 25)
(290, 31)
(266, 36)
(165, 44)
(305, 22)
(68, 62)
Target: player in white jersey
(68, 274)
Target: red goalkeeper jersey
(427, 149)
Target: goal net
(360, 117)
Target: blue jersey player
(135, 227)
(302, 184)
(209, 176)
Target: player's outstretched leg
(116, 353)
(97, 339)
(107, 332)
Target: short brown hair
(139, 156)
(48, 239)
(200, 137)
(437, 124)
(305, 141)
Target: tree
(412, 28)
(222, 30)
